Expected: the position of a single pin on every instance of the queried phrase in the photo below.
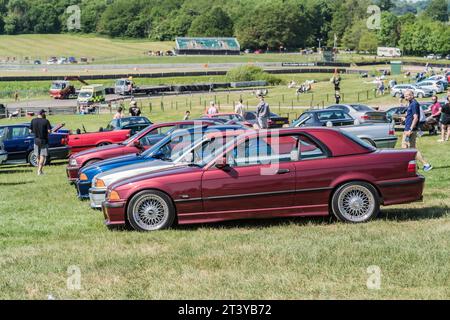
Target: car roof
(325, 110)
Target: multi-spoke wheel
(356, 202)
(150, 211)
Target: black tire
(142, 214)
(32, 159)
(355, 202)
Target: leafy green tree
(368, 41)
(213, 23)
(438, 10)
(389, 34)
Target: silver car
(361, 112)
(432, 85)
(400, 89)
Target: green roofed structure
(207, 46)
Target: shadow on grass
(415, 214)
(437, 168)
(15, 171)
(9, 184)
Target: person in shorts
(41, 128)
(445, 121)
(411, 127)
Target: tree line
(258, 24)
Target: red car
(84, 141)
(267, 174)
(136, 144)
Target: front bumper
(386, 142)
(83, 187)
(72, 173)
(114, 212)
(97, 196)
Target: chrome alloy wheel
(356, 203)
(150, 212)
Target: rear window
(333, 115)
(360, 107)
(357, 140)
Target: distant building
(207, 46)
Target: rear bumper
(97, 196)
(59, 152)
(114, 213)
(386, 142)
(72, 173)
(402, 190)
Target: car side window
(155, 135)
(19, 132)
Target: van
(91, 94)
(388, 52)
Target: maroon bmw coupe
(268, 174)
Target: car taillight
(391, 132)
(412, 167)
(365, 117)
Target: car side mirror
(139, 145)
(222, 164)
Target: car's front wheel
(150, 211)
(355, 202)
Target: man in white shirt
(239, 109)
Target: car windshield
(57, 85)
(361, 108)
(85, 94)
(333, 115)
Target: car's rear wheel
(34, 161)
(355, 202)
(151, 211)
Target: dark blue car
(18, 142)
(88, 173)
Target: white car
(439, 78)
(432, 85)
(400, 89)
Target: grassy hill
(44, 46)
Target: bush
(251, 73)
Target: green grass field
(114, 51)
(45, 229)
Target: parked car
(84, 141)
(441, 78)
(431, 85)
(447, 57)
(170, 155)
(227, 117)
(139, 142)
(377, 134)
(37, 62)
(361, 112)
(18, 142)
(72, 60)
(317, 171)
(399, 89)
(62, 60)
(275, 120)
(135, 124)
(52, 60)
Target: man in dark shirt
(411, 126)
(41, 127)
(134, 110)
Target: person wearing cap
(263, 113)
(134, 110)
(41, 128)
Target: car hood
(110, 164)
(125, 172)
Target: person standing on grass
(445, 121)
(41, 128)
(435, 110)
(239, 109)
(263, 113)
(337, 97)
(134, 110)
(411, 127)
(212, 108)
(187, 115)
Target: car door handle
(283, 171)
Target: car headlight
(113, 195)
(83, 177)
(99, 183)
(73, 162)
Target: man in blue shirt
(411, 127)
